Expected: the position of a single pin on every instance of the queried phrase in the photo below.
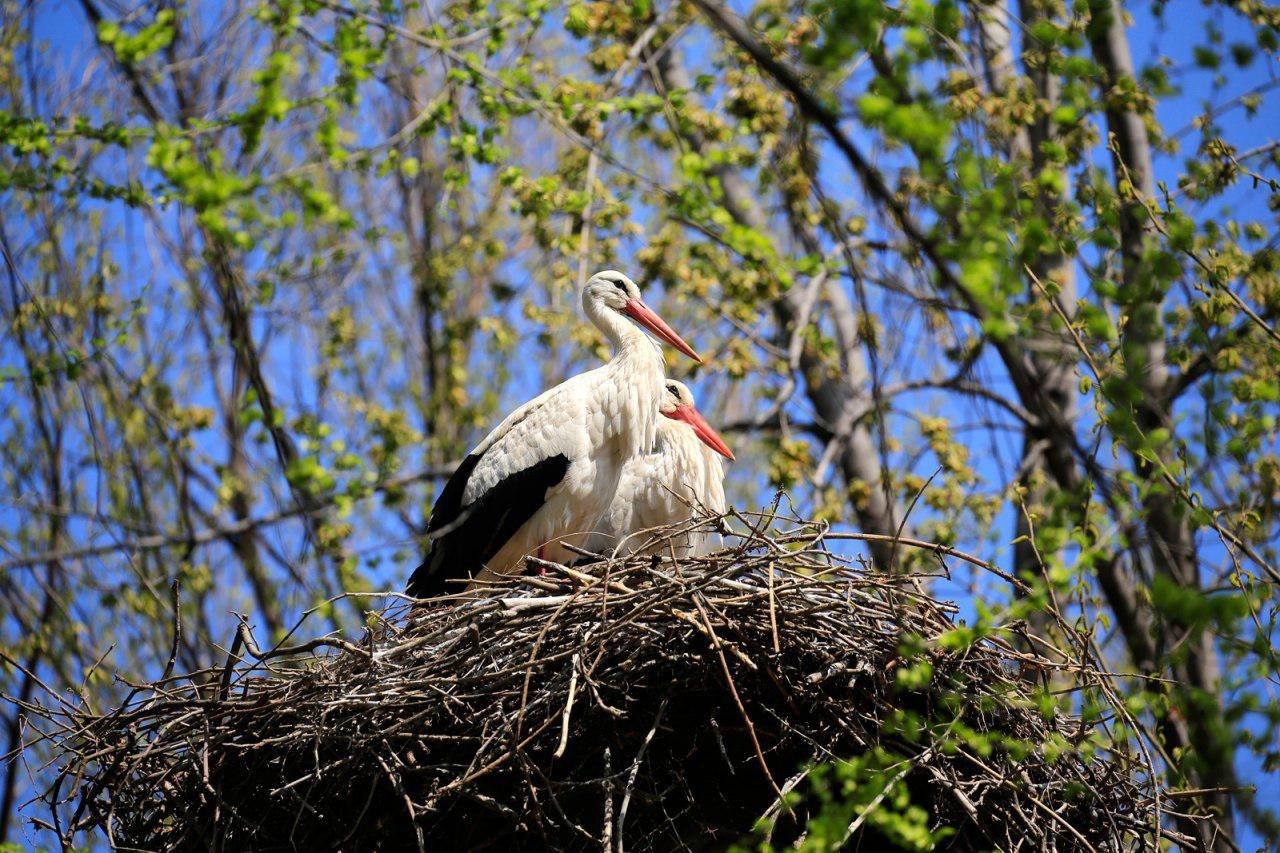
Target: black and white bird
(681, 479)
(544, 477)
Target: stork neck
(679, 446)
(688, 463)
(623, 335)
(635, 375)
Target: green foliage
(397, 204)
(869, 787)
(133, 47)
(866, 791)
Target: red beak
(647, 317)
(704, 430)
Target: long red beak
(647, 317)
(704, 430)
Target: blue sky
(1180, 32)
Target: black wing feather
(448, 505)
(465, 538)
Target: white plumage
(681, 479)
(544, 476)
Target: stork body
(682, 478)
(545, 475)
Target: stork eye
(675, 392)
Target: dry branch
(663, 706)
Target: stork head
(677, 404)
(612, 291)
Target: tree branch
(228, 531)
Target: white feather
(599, 420)
(680, 480)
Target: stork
(680, 479)
(546, 474)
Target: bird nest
(773, 689)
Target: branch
(874, 182)
(157, 541)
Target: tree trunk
(842, 400)
(1171, 541)
(1051, 270)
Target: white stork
(547, 473)
(682, 478)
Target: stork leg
(542, 555)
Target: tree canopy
(1002, 276)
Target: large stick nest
(650, 704)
